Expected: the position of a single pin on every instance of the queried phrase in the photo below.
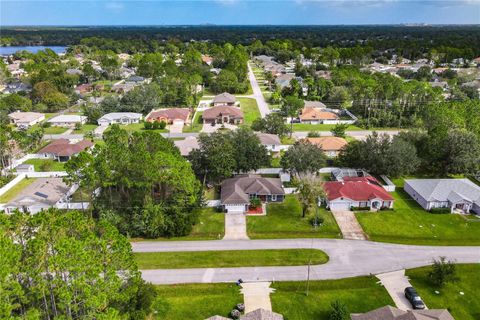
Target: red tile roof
(169, 115)
(356, 188)
(63, 147)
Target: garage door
(178, 122)
(339, 206)
(235, 208)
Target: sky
(237, 12)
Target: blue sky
(238, 12)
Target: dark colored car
(412, 296)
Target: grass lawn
(320, 127)
(359, 295)
(408, 223)
(196, 124)
(210, 226)
(200, 301)
(85, 129)
(464, 307)
(250, 109)
(284, 220)
(197, 301)
(55, 130)
(12, 193)
(46, 164)
(226, 259)
(211, 193)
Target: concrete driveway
(349, 225)
(395, 283)
(176, 127)
(235, 226)
(256, 295)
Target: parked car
(412, 296)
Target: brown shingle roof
(63, 147)
(392, 313)
(328, 143)
(261, 314)
(213, 113)
(268, 139)
(170, 114)
(236, 190)
(317, 114)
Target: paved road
(348, 258)
(257, 94)
(63, 136)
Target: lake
(5, 51)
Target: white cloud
(114, 6)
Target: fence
(390, 187)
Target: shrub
(440, 210)
(339, 311)
(162, 125)
(240, 307)
(235, 314)
(78, 126)
(316, 220)
(442, 271)
(255, 203)
(147, 125)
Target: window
(274, 197)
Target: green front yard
(408, 223)
(196, 124)
(284, 220)
(13, 192)
(250, 109)
(85, 129)
(320, 127)
(228, 259)
(464, 306)
(200, 301)
(196, 301)
(359, 295)
(210, 226)
(137, 127)
(54, 130)
(46, 165)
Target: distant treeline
(409, 40)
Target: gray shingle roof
(452, 190)
(392, 313)
(236, 190)
(261, 314)
(224, 98)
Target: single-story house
(207, 59)
(223, 114)
(331, 146)
(456, 194)
(67, 120)
(392, 313)
(26, 119)
(224, 99)
(187, 145)
(357, 192)
(120, 118)
(283, 80)
(42, 194)
(169, 115)
(237, 192)
(63, 149)
(270, 141)
(316, 115)
(338, 174)
(135, 79)
(258, 314)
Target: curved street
(348, 258)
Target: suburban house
(223, 114)
(224, 99)
(270, 141)
(460, 195)
(187, 145)
(135, 80)
(314, 104)
(237, 192)
(315, 115)
(67, 120)
(63, 149)
(169, 115)
(25, 119)
(119, 118)
(357, 192)
(258, 314)
(331, 146)
(392, 313)
(207, 59)
(42, 194)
